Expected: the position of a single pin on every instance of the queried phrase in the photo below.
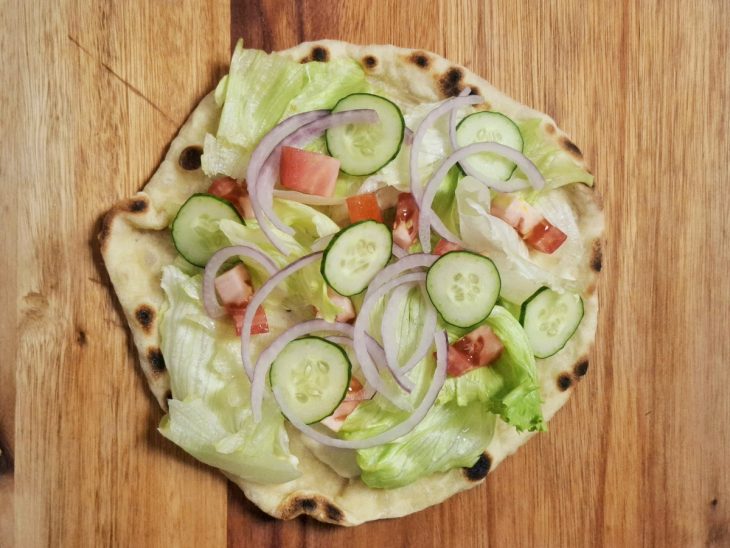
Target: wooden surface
(91, 95)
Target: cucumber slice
(313, 375)
(490, 127)
(550, 319)
(363, 149)
(195, 228)
(464, 287)
(355, 255)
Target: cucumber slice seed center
(552, 320)
(357, 256)
(309, 379)
(465, 287)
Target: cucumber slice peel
(363, 149)
(550, 319)
(464, 287)
(195, 232)
(355, 255)
(313, 375)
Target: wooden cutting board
(92, 92)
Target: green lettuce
(556, 166)
(448, 437)
(509, 387)
(210, 415)
(260, 90)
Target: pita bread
(136, 245)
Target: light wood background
(91, 93)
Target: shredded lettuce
(448, 437)
(556, 166)
(509, 387)
(210, 415)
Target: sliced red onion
(263, 364)
(416, 260)
(362, 324)
(408, 136)
(428, 121)
(398, 251)
(210, 301)
(300, 137)
(381, 362)
(496, 184)
(429, 327)
(309, 199)
(426, 214)
(267, 145)
(439, 376)
(259, 297)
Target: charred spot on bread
(156, 359)
(597, 256)
(137, 205)
(316, 506)
(580, 368)
(189, 158)
(479, 470)
(564, 381)
(420, 59)
(145, 316)
(450, 82)
(334, 514)
(571, 148)
(320, 53)
(550, 128)
(370, 61)
(474, 90)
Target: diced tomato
(308, 172)
(546, 237)
(236, 193)
(535, 229)
(444, 246)
(476, 349)
(335, 420)
(364, 207)
(405, 224)
(234, 287)
(354, 391)
(260, 322)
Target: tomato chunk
(535, 229)
(236, 193)
(355, 396)
(476, 349)
(364, 207)
(546, 237)
(308, 172)
(260, 322)
(444, 246)
(234, 287)
(405, 224)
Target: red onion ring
(267, 145)
(398, 251)
(300, 137)
(416, 260)
(381, 362)
(425, 224)
(259, 297)
(263, 363)
(408, 136)
(361, 326)
(437, 382)
(496, 184)
(426, 123)
(210, 301)
(429, 327)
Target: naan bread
(136, 245)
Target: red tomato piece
(234, 286)
(308, 172)
(546, 237)
(236, 193)
(444, 246)
(364, 207)
(405, 225)
(476, 349)
(260, 322)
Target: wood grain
(91, 94)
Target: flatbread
(136, 245)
